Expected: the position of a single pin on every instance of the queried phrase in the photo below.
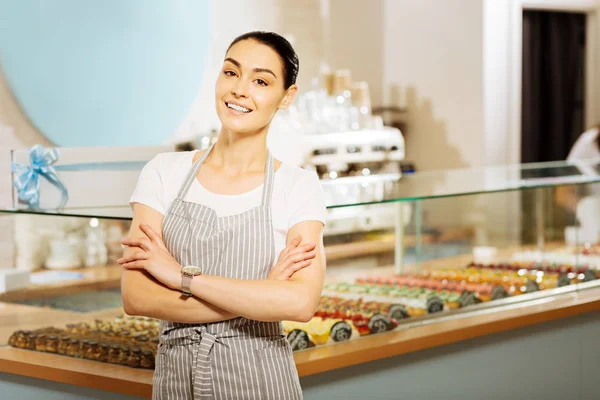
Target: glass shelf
(120, 213)
(389, 188)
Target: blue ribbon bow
(27, 179)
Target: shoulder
(170, 162)
(294, 177)
(589, 135)
(585, 146)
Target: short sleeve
(306, 199)
(149, 189)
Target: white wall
(434, 49)
(357, 41)
(433, 52)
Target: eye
(229, 73)
(261, 82)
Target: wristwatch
(187, 273)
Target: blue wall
(104, 72)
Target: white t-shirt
(588, 207)
(585, 147)
(297, 193)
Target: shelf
(94, 278)
(413, 187)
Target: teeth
(237, 108)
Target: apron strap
(269, 180)
(267, 187)
(191, 176)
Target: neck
(236, 153)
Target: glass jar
(40, 342)
(113, 354)
(147, 359)
(102, 352)
(52, 344)
(63, 344)
(135, 358)
(30, 341)
(123, 355)
(73, 348)
(90, 352)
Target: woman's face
(250, 87)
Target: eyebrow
(237, 64)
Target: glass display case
(402, 250)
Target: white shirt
(297, 193)
(588, 206)
(585, 147)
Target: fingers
(295, 267)
(302, 249)
(307, 255)
(141, 242)
(300, 253)
(152, 234)
(138, 255)
(139, 264)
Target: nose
(240, 88)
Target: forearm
(261, 300)
(143, 295)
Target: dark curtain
(552, 94)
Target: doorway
(552, 109)
(553, 84)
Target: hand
(292, 259)
(153, 257)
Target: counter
(439, 332)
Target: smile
(237, 108)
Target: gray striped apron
(235, 359)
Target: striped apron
(235, 359)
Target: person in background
(227, 242)
(586, 147)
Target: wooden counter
(444, 331)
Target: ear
(289, 96)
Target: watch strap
(186, 283)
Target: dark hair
(282, 47)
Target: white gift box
(97, 180)
(13, 279)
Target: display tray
(367, 305)
(128, 341)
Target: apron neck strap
(269, 180)
(189, 179)
(267, 187)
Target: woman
(206, 231)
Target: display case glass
(402, 250)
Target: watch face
(191, 270)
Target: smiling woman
(256, 70)
(225, 243)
